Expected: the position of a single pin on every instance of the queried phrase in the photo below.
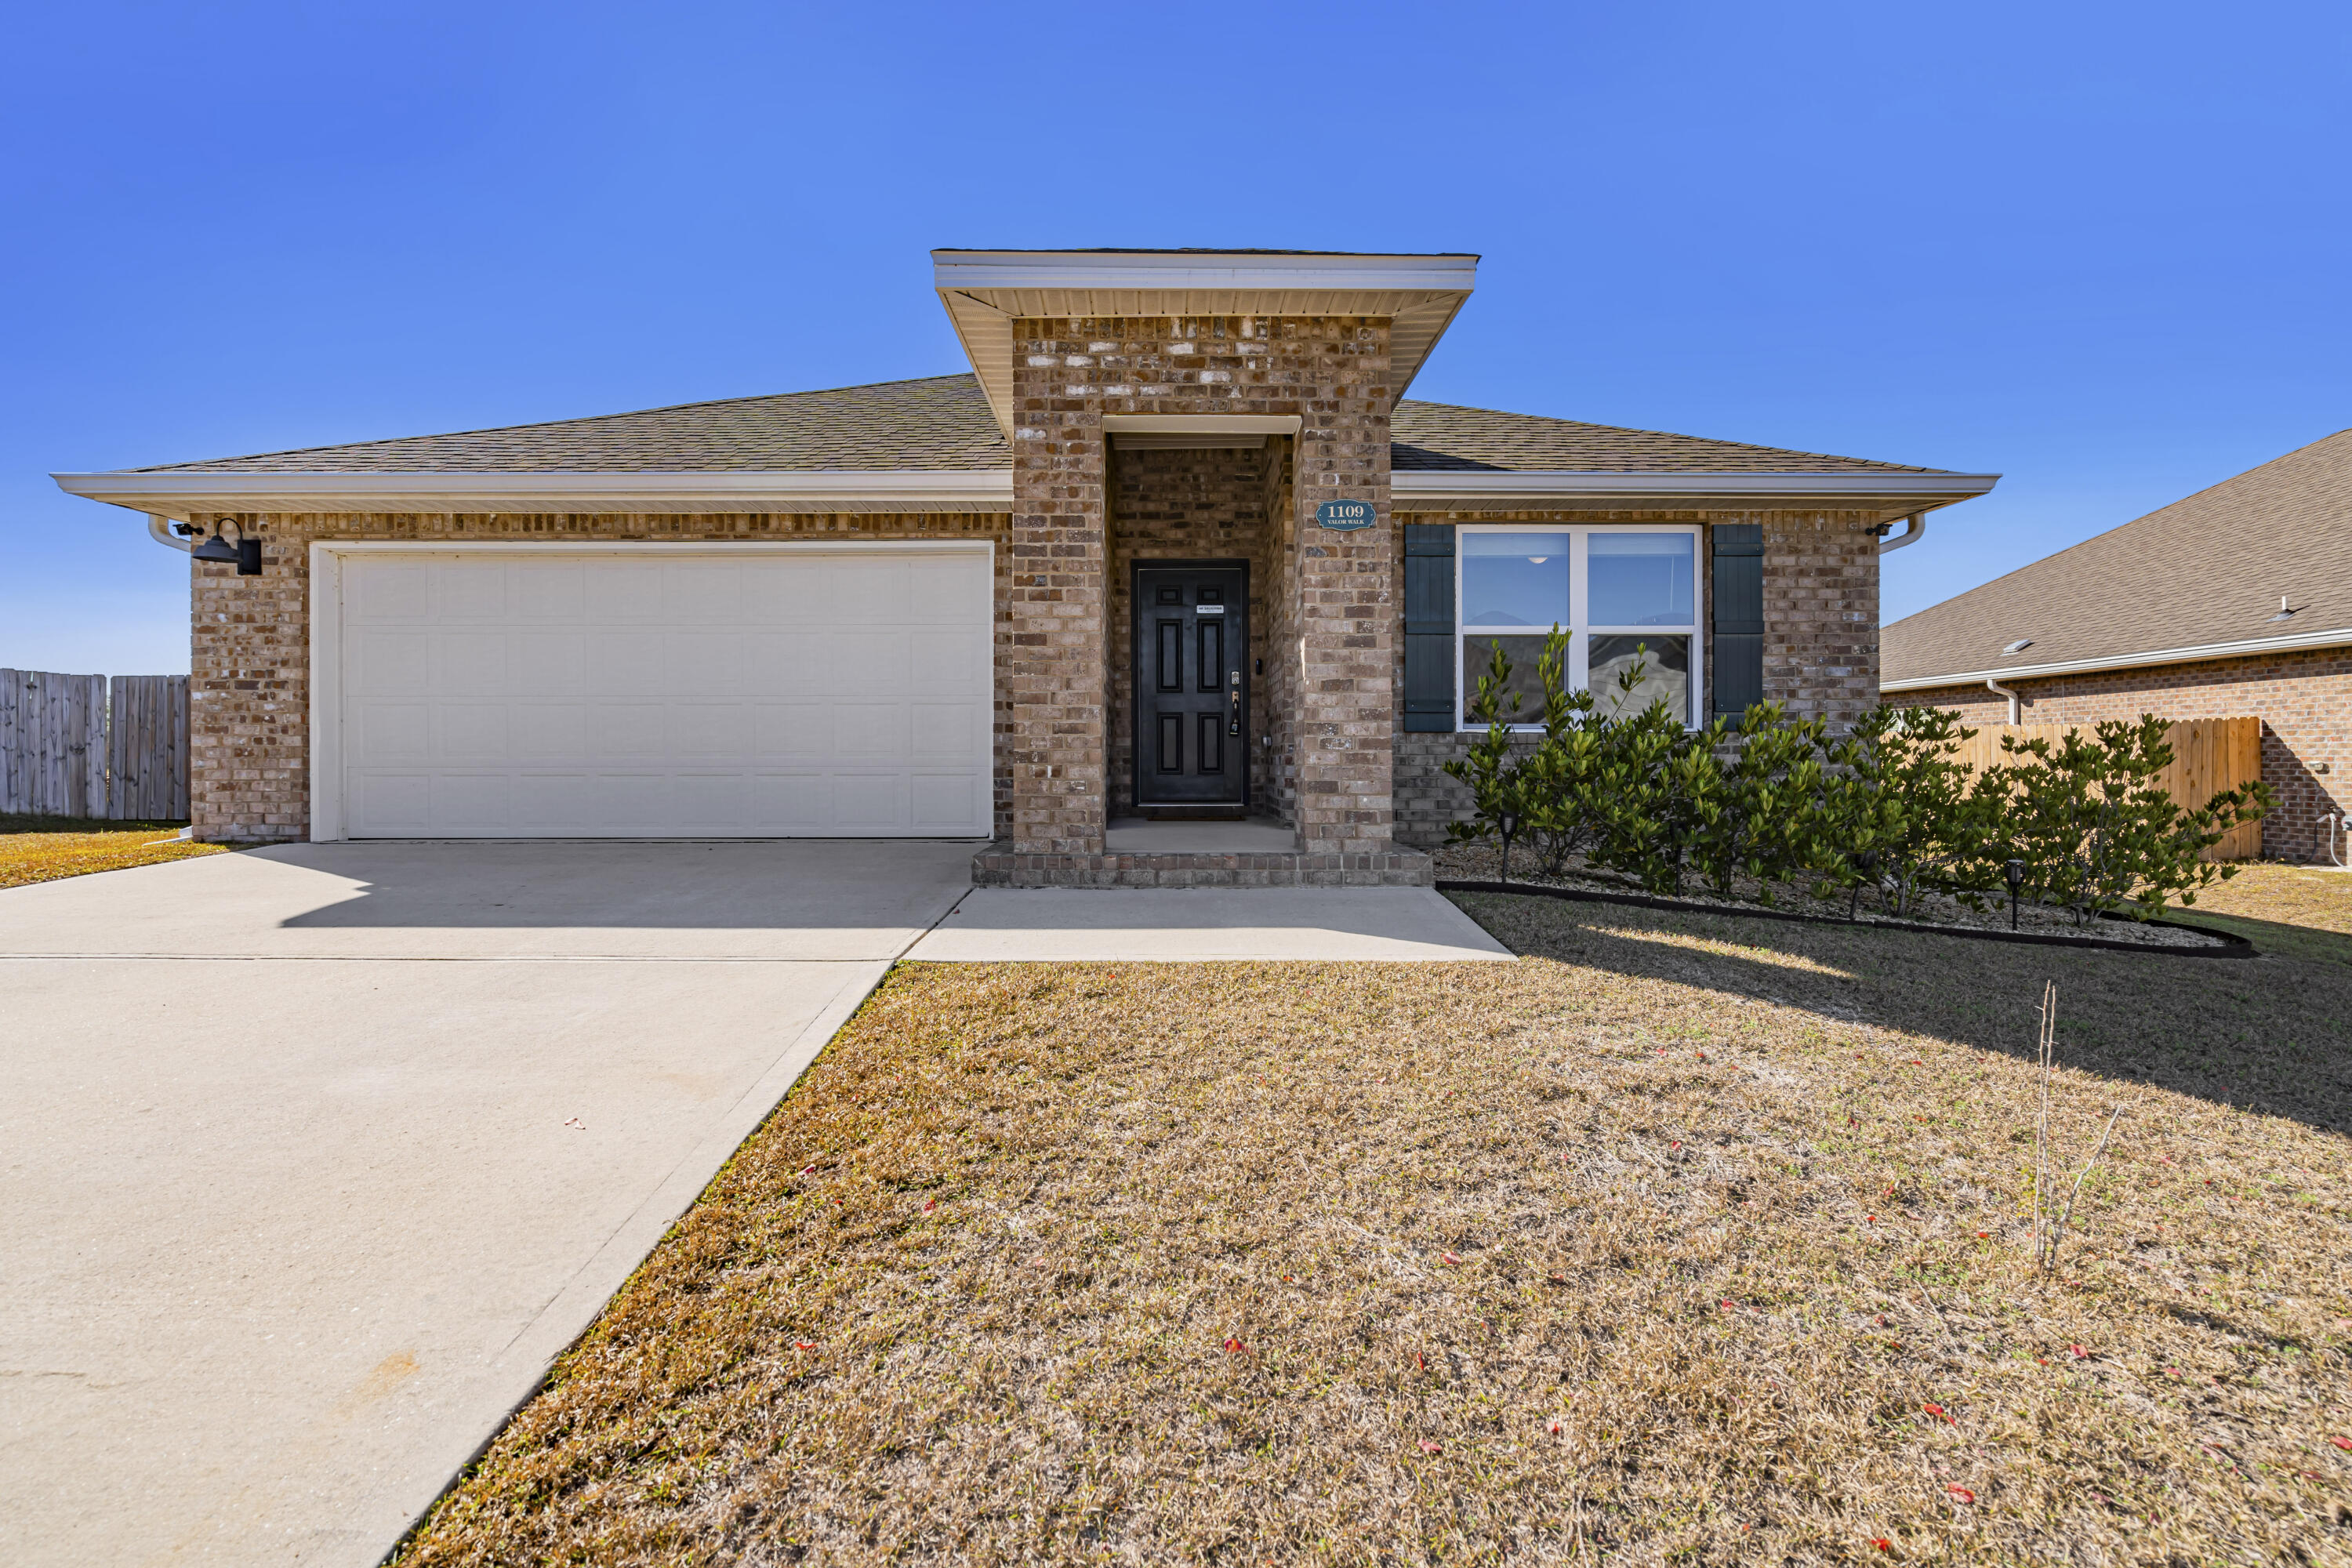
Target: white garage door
(655, 694)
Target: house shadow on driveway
(2271, 1033)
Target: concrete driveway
(313, 1157)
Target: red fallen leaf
(811, 1170)
(2341, 1442)
(1557, 1278)
(1962, 1493)
(1421, 1361)
(1429, 1448)
(1730, 1307)
(1553, 1428)
(1937, 1410)
(1287, 1280)
(1880, 1320)
(804, 1345)
(931, 1204)
(1870, 1219)
(1882, 1543)
(1235, 1347)
(2079, 1353)
(2042, 1359)
(1917, 1063)
(1984, 1235)
(1451, 1259)
(1676, 1145)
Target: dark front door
(1191, 693)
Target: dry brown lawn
(2282, 896)
(41, 849)
(1686, 1239)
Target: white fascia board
(177, 494)
(2334, 636)
(1426, 486)
(990, 269)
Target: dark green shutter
(1737, 602)
(1429, 694)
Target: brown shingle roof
(2206, 570)
(942, 423)
(1443, 436)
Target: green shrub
(1903, 816)
(2097, 834)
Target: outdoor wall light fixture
(245, 555)
(2013, 873)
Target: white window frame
(1580, 632)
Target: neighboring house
(2235, 603)
(1174, 548)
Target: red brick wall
(1331, 372)
(2303, 698)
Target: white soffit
(986, 291)
(185, 494)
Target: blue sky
(2101, 249)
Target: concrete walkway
(1076, 925)
(314, 1157)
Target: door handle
(1234, 703)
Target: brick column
(1347, 589)
(1056, 676)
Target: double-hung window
(1622, 594)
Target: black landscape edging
(2233, 945)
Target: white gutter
(1998, 689)
(178, 493)
(1914, 528)
(2337, 637)
(1425, 485)
(159, 529)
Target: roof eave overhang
(985, 291)
(185, 495)
(1897, 493)
(2332, 637)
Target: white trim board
(327, 556)
(2197, 653)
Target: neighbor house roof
(932, 444)
(2201, 578)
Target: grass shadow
(2272, 1035)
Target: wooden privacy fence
(83, 745)
(2208, 755)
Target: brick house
(2234, 602)
(1173, 587)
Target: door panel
(1191, 700)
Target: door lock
(1234, 703)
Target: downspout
(159, 529)
(1999, 689)
(1915, 527)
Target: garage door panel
(868, 663)
(469, 664)
(467, 805)
(637, 694)
(546, 591)
(866, 590)
(711, 732)
(463, 591)
(549, 663)
(697, 595)
(394, 734)
(949, 662)
(471, 735)
(784, 664)
(869, 800)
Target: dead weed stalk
(2050, 1227)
